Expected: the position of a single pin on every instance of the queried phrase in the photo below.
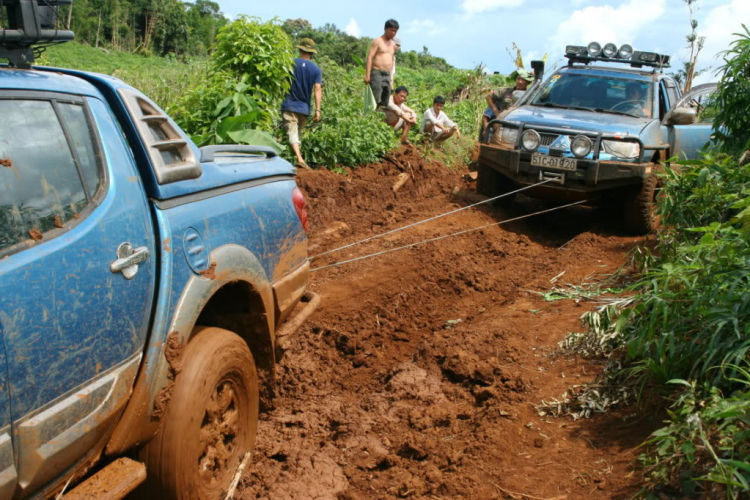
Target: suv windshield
(597, 93)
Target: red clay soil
(418, 375)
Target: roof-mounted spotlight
(625, 52)
(576, 50)
(609, 50)
(594, 49)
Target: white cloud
(353, 28)
(479, 6)
(425, 26)
(719, 27)
(606, 23)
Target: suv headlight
(530, 140)
(581, 146)
(622, 149)
(508, 135)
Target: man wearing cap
(379, 63)
(296, 106)
(501, 100)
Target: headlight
(609, 50)
(581, 146)
(622, 149)
(530, 140)
(594, 49)
(509, 135)
(625, 51)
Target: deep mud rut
(418, 375)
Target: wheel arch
(235, 276)
(238, 307)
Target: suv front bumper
(589, 176)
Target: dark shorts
(380, 83)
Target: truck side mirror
(538, 67)
(683, 116)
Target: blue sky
(470, 32)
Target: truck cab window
(81, 136)
(41, 187)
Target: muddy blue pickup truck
(598, 129)
(144, 289)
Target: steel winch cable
(410, 245)
(381, 235)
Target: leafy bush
(707, 440)
(250, 74)
(259, 54)
(733, 122)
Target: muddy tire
(211, 420)
(640, 211)
(492, 183)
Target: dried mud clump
(173, 353)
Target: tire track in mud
(416, 378)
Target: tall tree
(695, 44)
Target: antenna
(27, 27)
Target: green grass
(164, 80)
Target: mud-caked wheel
(640, 211)
(492, 183)
(211, 420)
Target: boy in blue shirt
(296, 106)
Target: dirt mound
(367, 191)
(416, 378)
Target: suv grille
(548, 139)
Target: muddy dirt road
(418, 375)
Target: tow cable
(431, 240)
(414, 224)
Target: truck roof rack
(28, 27)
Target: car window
(41, 187)
(663, 101)
(704, 100)
(600, 93)
(672, 93)
(74, 116)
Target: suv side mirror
(683, 116)
(538, 67)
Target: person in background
(398, 115)
(437, 124)
(296, 106)
(379, 65)
(500, 100)
(397, 41)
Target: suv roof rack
(612, 54)
(27, 27)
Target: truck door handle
(128, 259)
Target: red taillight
(300, 206)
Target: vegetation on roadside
(684, 332)
(158, 27)
(234, 93)
(240, 98)
(164, 79)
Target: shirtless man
(380, 60)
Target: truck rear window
(46, 178)
(597, 93)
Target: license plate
(540, 160)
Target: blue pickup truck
(144, 286)
(597, 132)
